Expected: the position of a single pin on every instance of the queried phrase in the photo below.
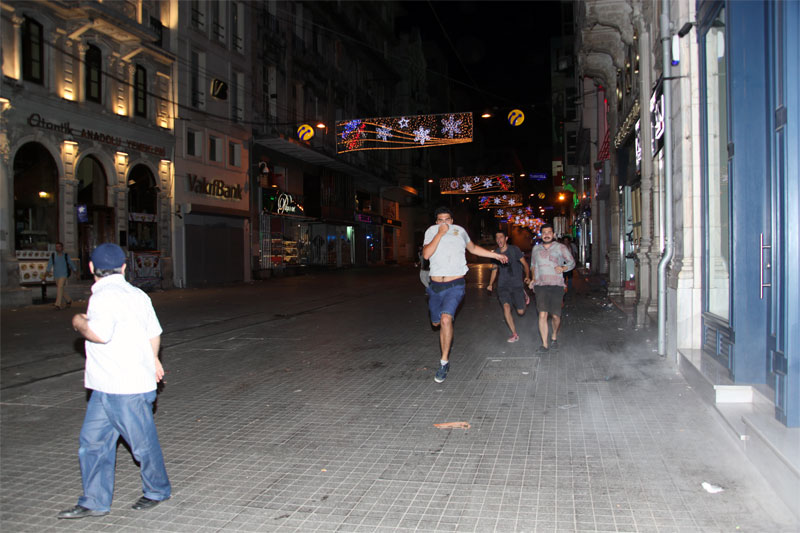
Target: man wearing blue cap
(123, 337)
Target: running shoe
(513, 338)
(441, 374)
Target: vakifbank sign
(214, 188)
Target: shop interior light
(44, 194)
(321, 125)
(486, 114)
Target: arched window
(93, 80)
(142, 209)
(35, 198)
(32, 51)
(140, 92)
(96, 221)
(91, 182)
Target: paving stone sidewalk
(308, 404)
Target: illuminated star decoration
(451, 126)
(396, 133)
(501, 183)
(499, 201)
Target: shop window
(93, 81)
(234, 154)
(717, 213)
(140, 92)
(194, 143)
(214, 149)
(35, 198)
(32, 51)
(142, 209)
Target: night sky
(498, 58)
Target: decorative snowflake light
(421, 135)
(477, 184)
(383, 132)
(451, 126)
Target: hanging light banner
(509, 213)
(397, 133)
(477, 184)
(499, 201)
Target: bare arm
(483, 252)
(526, 269)
(80, 323)
(492, 278)
(155, 343)
(429, 249)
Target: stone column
(644, 285)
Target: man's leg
(509, 318)
(556, 326)
(97, 455)
(543, 328)
(446, 335)
(133, 415)
(60, 282)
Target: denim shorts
(444, 298)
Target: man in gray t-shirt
(510, 289)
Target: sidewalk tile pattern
(320, 417)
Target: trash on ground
(567, 406)
(453, 425)
(710, 488)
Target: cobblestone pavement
(308, 404)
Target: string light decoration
(397, 133)
(499, 201)
(502, 183)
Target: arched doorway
(142, 210)
(95, 217)
(35, 198)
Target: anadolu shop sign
(35, 120)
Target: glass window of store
(142, 209)
(35, 198)
(716, 195)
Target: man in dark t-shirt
(510, 288)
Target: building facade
(88, 111)
(704, 132)
(211, 216)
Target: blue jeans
(107, 417)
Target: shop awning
(294, 149)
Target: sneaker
(553, 343)
(513, 338)
(543, 349)
(441, 374)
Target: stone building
(88, 110)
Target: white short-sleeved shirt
(123, 316)
(449, 258)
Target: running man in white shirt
(445, 245)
